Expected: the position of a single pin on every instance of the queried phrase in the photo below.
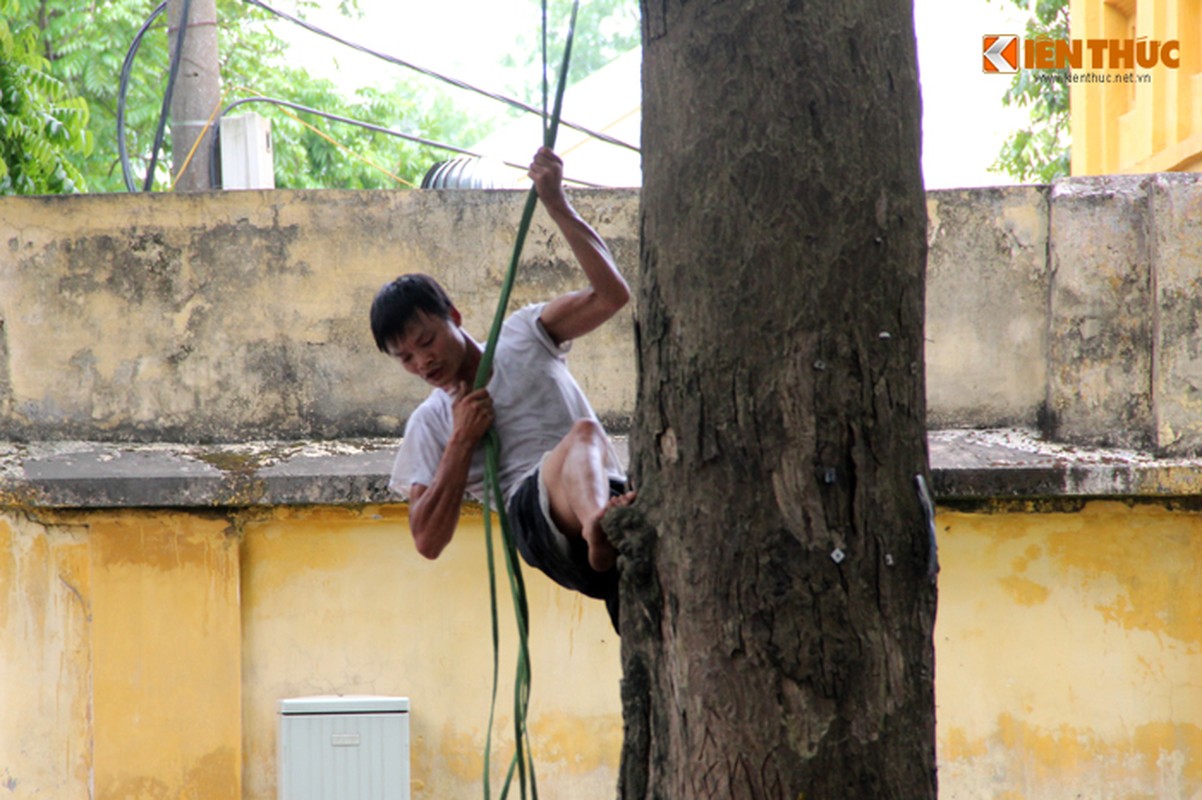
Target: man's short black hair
(398, 303)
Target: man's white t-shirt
(536, 401)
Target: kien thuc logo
(1000, 53)
(1006, 53)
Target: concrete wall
(1068, 647)
(149, 627)
(1073, 308)
(119, 656)
(143, 654)
(986, 320)
(147, 651)
(243, 315)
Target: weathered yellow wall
(119, 656)
(339, 602)
(1069, 654)
(147, 652)
(45, 660)
(166, 683)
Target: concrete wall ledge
(110, 475)
(967, 465)
(1015, 463)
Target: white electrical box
(353, 747)
(246, 154)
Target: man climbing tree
(778, 587)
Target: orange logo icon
(1000, 52)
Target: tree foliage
(605, 29)
(42, 125)
(311, 152)
(86, 43)
(1041, 151)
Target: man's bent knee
(587, 430)
(584, 432)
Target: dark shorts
(563, 559)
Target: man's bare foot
(601, 554)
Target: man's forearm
(434, 515)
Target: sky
(964, 121)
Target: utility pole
(196, 94)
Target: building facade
(1143, 119)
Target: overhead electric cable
(123, 89)
(344, 148)
(176, 58)
(510, 101)
(213, 162)
(135, 44)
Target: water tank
(344, 747)
(465, 172)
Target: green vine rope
(522, 762)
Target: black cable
(123, 89)
(430, 73)
(176, 58)
(214, 180)
(127, 66)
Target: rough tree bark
(778, 594)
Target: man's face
(432, 349)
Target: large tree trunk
(778, 593)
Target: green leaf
(1041, 151)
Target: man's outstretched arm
(574, 314)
